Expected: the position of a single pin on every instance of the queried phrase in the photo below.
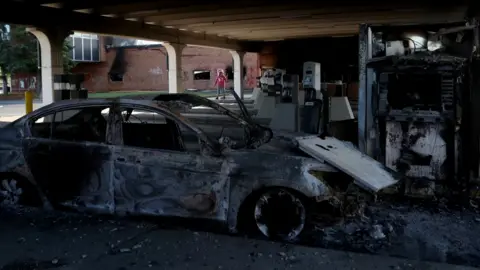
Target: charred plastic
(419, 122)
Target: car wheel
(280, 214)
(15, 192)
(10, 192)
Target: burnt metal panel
(419, 152)
(170, 183)
(11, 149)
(73, 174)
(13, 160)
(252, 170)
(367, 172)
(111, 177)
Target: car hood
(368, 173)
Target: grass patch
(125, 94)
(12, 96)
(114, 94)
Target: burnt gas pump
(312, 107)
(271, 86)
(285, 115)
(289, 91)
(312, 112)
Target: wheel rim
(280, 214)
(10, 192)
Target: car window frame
(31, 120)
(118, 133)
(134, 117)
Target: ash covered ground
(35, 239)
(429, 233)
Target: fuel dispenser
(289, 91)
(271, 85)
(285, 116)
(271, 81)
(313, 101)
(312, 76)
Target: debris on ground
(401, 230)
(60, 246)
(415, 232)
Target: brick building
(144, 67)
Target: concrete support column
(365, 85)
(51, 57)
(175, 73)
(238, 72)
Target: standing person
(220, 82)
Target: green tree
(68, 63)
(19, 52)
(5, 54)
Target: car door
(69, 157)
(156, 175)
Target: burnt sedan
(144, 157)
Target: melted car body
(142, 157)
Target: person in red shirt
(220, 82)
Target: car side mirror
(209, 150)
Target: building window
(201, 75)
(116, 77)
(117, 70)
(85, 47)
(229, 72)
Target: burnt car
(143, 156)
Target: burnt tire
(18, 191)
(276, 213)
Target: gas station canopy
(249, 20)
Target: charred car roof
(200, 101)
(164, 102)
(170, 104)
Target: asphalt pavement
(37, 240)
(14, 108)
(32, 239)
